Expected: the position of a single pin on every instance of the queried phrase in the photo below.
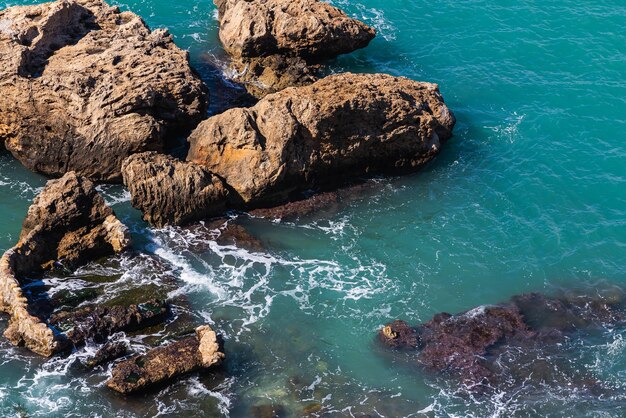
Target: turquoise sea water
(530, 195)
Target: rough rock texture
(266, 75)
(468, 345)
(83, 86)
(169, 191)
(305, 28)
(108, 352)
(99, 322)
(164, 363)
(325, 134)
(70, 223)
(277, 43)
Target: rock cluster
(466, 345)
(342, 127)
(68, 223)
(161, 364)
(83, 86)
(277, 43)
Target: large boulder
(161, 364)
(83, 86)
(305, 28)
(169, 191)
(275, 44)
(68, 223)
(323, 135)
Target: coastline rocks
(169, 191)
(164, 363)
(468, 345)
(68, 222)
(277, 43)
(99, 322)
(323, 135)
(83, 86)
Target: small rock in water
(162, 364)
(110, 351)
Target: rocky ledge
(320, 136)
(276, 44)
(161, 364)
(470, 345)
(83, 86)
(68, 224)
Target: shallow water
(530, 195)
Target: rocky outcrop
(164, 363)
(325, 134)
(316, 137)
(276, 43)
(99, 322)
(83, 86)
(468, 345)
(169, 191)
(68, 223)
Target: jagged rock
(165, 363)
(110, 351)
(169, 191)
(341, 127)
(469, 344)
(68, 222)
(266, 75)
(99, 322)
(83, 86)
(321, 136)
(278, 43)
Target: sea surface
(529, 195)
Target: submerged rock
(68, 223)
(161, 364)
(110, 351)
(470, 345)
(99, 322)
(276, 43)
(83, 86)
(169, 191)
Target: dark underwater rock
(470, 345)
(99, 322)
(110, 351)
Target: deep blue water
(529, 195)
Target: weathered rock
(469, 345)
(307, 28)
(83, 86)
(266, 75)
(99, 322)
(164, 363)
(169, 191)
(341, 127)
(110, 351)
(277, 44)
(68, 222)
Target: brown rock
(341, 127)
(169, 191)
(83, 86)
(305, 28)
(165, 363)
(277, 44)
(68, 222)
